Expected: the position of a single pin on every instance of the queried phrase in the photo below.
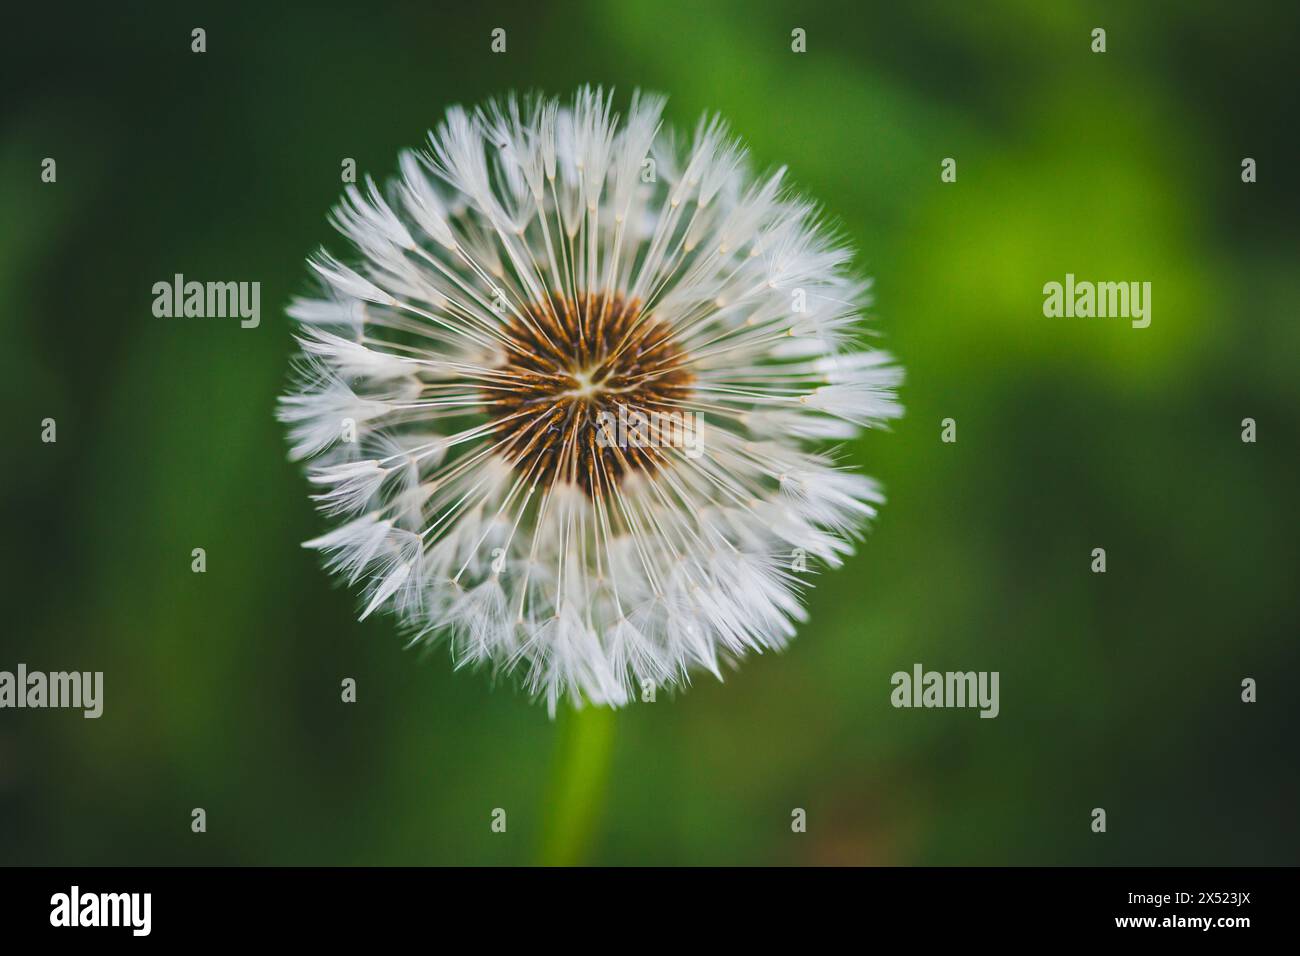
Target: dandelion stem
(577, 789)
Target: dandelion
(540, 269)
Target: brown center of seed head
(568, 367)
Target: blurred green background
(1119, 690)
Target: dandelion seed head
(540, 271)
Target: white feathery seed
(541, 265)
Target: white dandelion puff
(540, 270)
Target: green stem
(577, 789)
